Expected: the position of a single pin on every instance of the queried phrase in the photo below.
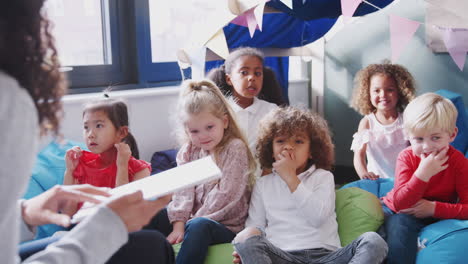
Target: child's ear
(123, 132)
(225, 121)
(454, 134)
(228, 79)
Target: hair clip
(106, 95)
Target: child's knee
(374, 241)
(247, 233)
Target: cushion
(461, 141)
(379, 187)
(217, 254)
(163, 160)
(443, 242)
(47, 172)
(357, 211)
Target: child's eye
(193, 131)
(210, 127)
(279, 140)
(99, 126)
(85, 127)
(244, 72)
(418, 139)
(258, 74)
(299, 141)
(435, 138)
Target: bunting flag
(252, 18)
(456, 42)
(348, 7)
(401, 32)
(218, 44)
(289, 3)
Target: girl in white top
(245, 78)
(292, 215)
(381, 93)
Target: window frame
(130, 42)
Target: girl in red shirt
(112, 159)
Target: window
(108, 43)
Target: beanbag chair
(217, 254)
(357, 211)
(443, 242)
(379, 187)
(48, 172)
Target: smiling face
(430, 141)
(383, 92)
(247, 79)
(205, 130)
(297, 145)
(99, 133)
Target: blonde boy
(431, 179)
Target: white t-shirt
(249, 118)
(384, 143)
(304, 219)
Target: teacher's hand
(46, 208)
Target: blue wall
(368, 41)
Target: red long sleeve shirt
(449, 188)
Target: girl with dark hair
(253, 88)
(112, 159)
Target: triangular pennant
(288, 3)
(258, 12)
(401, 31)
(456, 42)
(218, 44)
(251, 21)
(348, 7)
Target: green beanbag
(217, 254)
(357, 211)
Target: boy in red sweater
(431, 177)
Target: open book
(169, 181)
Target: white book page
(169, 181)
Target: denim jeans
(200, 233)
(401, 232)
(367, 248)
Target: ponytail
(131, 142)
(218, 76)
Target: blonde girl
(381, 93)
(214, 212)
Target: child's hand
(422, 209)
(432, 164)
(236, 257)
(72, 157)
(177, 234)
(370, 176)
(123, 153)
(284, 165)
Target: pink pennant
(456, 42)
(348, 7)
(401, 32)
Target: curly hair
(28, 54)
(361, 93)
(271, 88)
(289, 121)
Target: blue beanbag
(379, 187)
(444, 242)
(461, 141)
(47, 172)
